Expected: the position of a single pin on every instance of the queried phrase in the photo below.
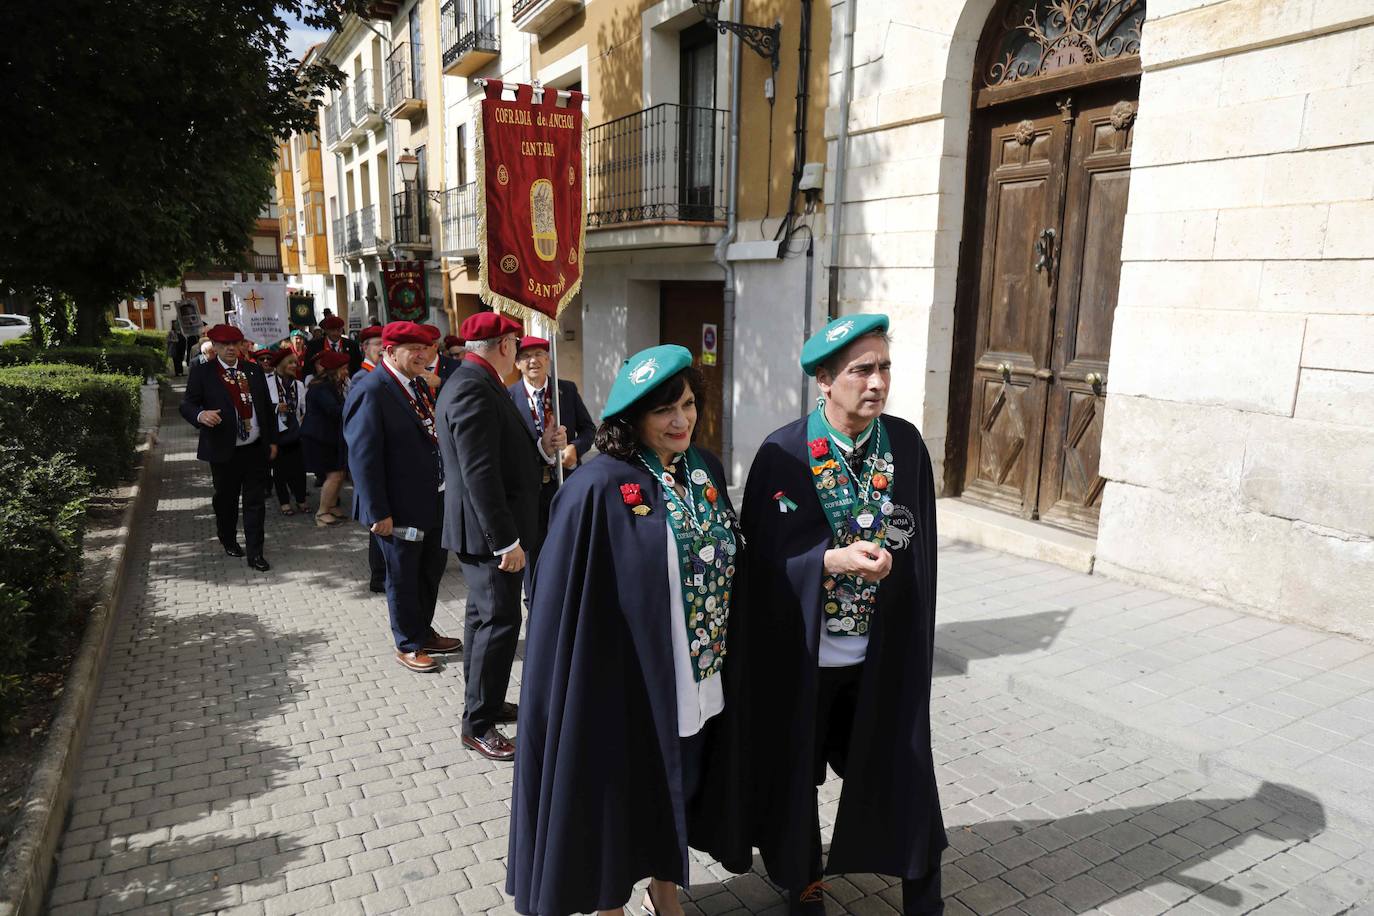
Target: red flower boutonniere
(631, 494)
(819, 448)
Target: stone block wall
(1239, 436)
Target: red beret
(370, 332)
(532, 343)
(225, 334)
(452, 341)
(486, 325)
(264, 356)
(405, 332)
(329, 360)
(433, 332)
(333, 322)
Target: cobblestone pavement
(256, 750)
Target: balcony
(331, 126)
(470, 34)
(367, 102)
(663, 167)
(410, 217)
(538, 17)
(342, 121)
(405, 90)
(363, 233)
(460, 221)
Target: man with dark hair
(492, 471)
(228, 401)
(839, 514)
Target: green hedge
(50, 409)
(136, 360)
(153, 340)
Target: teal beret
(837, 335)
(644, 372)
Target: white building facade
(1128, 255)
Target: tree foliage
(140, 136)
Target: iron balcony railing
(343, 120)
(662, 164)
(469, 25)
(340, 238)
(331, 125)
(460, 218)
(353, 240)
(366, 104)
(401, 83)
(266, 263)
(372, 233)
(410, 217)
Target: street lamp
(763, 40)
(409, 166)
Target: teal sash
(855, 509)
(706, 549)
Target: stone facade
(1238, 436)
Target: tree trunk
(91, 325)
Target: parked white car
(12, 326)
(125, 324)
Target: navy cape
(889, 818)
(597, 800)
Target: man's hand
(208, 418)
(382, 528)
(283, 407)
(864, 559)
(555, 440)
(272, 452)
(569, 457)
(513, 560)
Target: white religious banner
(263, 310)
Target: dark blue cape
(889, 816)
(597, 802)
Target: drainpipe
(727, 331)
(841, 156)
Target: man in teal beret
(839, 516)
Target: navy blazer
(323, 413)
(204, 391)
(572, 413)
(393, 461)
(347, 344)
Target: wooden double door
(1055, 175)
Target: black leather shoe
(259, 563)
(377, 587)
(509, 713)
(493, 745)
(233, 550)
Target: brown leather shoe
(439, 645)
(509, 713)
(417, 661)
(493, 745)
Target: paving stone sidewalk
(256, 750)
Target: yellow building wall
(612, 31)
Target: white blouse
(697, 701)
(274, 392)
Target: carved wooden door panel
(1089, 274)
(1027, 147)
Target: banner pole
(553, 379)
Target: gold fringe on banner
(494, 299)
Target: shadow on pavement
(1217, 849)
(959, 642)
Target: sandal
(303, 507)
(325, 520)
(287, 510)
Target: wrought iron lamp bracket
(763, 39)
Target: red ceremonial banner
(406, 299)
(531, 225)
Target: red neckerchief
(239, 391)
(423, 409)
(368, 365)
(491, 370)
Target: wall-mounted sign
(710, 341)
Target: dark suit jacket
(445, 368)
(393, 462)
(572, 413)
(350, 346)
(323, 413)
(492, 466)
(205, 392)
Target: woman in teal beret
(624, 757)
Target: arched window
(1032, 39)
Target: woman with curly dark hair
(624, 757)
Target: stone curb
(28, 865)
(1274, 784)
